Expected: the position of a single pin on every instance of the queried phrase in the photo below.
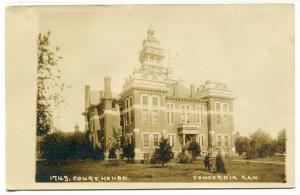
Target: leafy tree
(78, 146)
(163, 153)
(128, 149)
(49, 85)
(242, 144)
(53, 147)
(262, 143)
(57, 146)
(251, 153)
(281, 142)
(194, 148)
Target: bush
(242, 144)
(59, 146)
(251, 153)
(194, 148)
(112, 154)
(262, 143)
(128, 150)
(220, 165)
(163, 153)
(184, 158)
(53, 147)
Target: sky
(248, 48)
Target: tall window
(146, 140)
(218, 119)
(225, 107)
(171, 139)
(128, 117)
(170, 113)
(226, 139)
(218, 107)
(126, 103)
(201, 140)
(202, 115)
(225, 119)
(225, 114)
(145, 100)
(130, 101)
(154, 101)
(198, 118)
(199, 115)
(154, 116)
(187, 119)
(125, 119)
(155, 140)
(131, 116)
(185, 115)
(145, 116)
(219, 140)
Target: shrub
(128, 150)
(184, 158)
(59, 146)
(163, 153)
(112, 154)
(53, 147)
(242, 144)
(194, 148)
(220, 165)
(97, 154)
(251, 153)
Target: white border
(4, 3)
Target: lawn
(237, 171)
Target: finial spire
(76, 127)
(150, 31)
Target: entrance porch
(187, 132)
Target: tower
(152, 55)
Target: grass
(172, 172)
(266, 159)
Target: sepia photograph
(153, 94)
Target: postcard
(150, 96)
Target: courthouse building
(152, 104)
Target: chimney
(87, 96)
(101, 94)
(107, 88)
(192, 91)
